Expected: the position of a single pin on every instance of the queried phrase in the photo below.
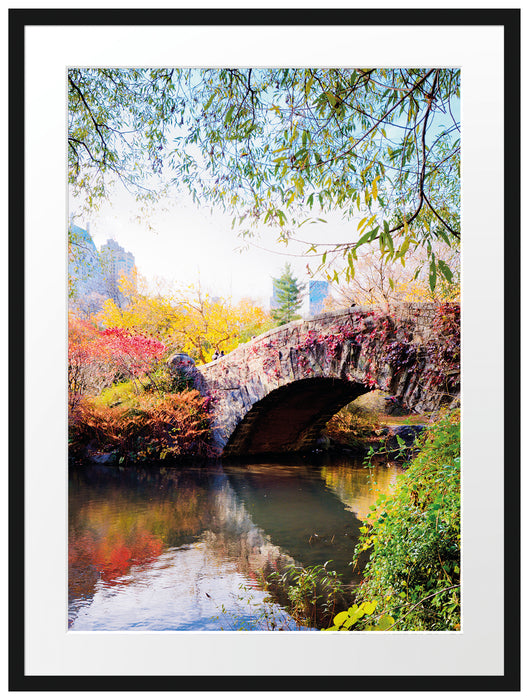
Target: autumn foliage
(156, 427)
(96, 358)
(152, 423)
(114, 554)
(188, 319)
(87, 361)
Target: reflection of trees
(238, 539)
(359, 488)
(113, 554)
(120, 519)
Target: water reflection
(172, 549)
(358, 487)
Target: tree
(118, 128)
(96, 357)
(281, 147)
(131, 354)
(85, 365)
(213, 323)
(288, 296)
(189, 320)
(151, 311)
(381, 281)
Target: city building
(274, 299)
(85, 276)
(94, 276)
(115, 262)
(318, 292)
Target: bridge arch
(275, 393)
(291, 417)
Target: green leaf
(227, 118)
(208, 103)
(432, 277)
(445, 270)
(351, 264)
(385, 622)
(369, 606)
(367, 237)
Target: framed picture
(483, 653)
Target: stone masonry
(275, 393)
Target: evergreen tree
(288, 293)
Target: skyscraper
(85, 275)
(318, 292)
(115, 262)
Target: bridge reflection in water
(298, 512)
(165, 549)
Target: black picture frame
(19, 20)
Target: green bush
(413, 574)
(311, 595)
(163, 381)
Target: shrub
(163, 381)
(97, 359)
(311, 595)
(146, 427)
(114, 395)
(413, 574)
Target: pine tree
(288, 294)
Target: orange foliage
(113, 555)
(173, 425)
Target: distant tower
(318, 292)
(85, 276)
(274, 300)
(116, 262)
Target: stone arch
(291, 417)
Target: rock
(180, 363)
(394, 407)
(183, 366)
(323, 442)
(407, 433)
(104, 457)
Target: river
(161, 548)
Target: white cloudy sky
(184, 244)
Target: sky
(184, 244)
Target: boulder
(407, 433)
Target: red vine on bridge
(382, 346)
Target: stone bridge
(275, 393)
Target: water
(163, 548)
